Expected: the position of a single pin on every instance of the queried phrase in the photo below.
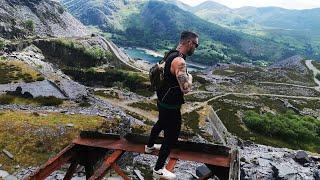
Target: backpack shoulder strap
(167, 55)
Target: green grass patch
(29, 25)
(191, 121)
(95, 53)
(298, 130)
(301, 103)
(141, 118)
(203, 83)
(17, 71)
(228, 109)
(251, 75)
(40, 101)
(134, 81)
(233, 70)
(145, 106)
(32, 138)
(107, 94)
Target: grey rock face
(47, 89)
(58, 84)
(48, 17)
(264, 162)
(293, 62)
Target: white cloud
(289, 4)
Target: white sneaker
(151, 149)
(164, 174)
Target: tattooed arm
(179, 68)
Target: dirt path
(315, 72)
(287, 84)
(147, 114)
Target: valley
(250, 93)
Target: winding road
(315, 72)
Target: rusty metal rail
(92, 147)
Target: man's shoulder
(178, 60)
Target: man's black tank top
(170, 94)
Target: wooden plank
(72, 168)
(53, 164)
(102, 170)
(234, 172)
(119, 171)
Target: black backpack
(156, 73)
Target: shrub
(318, 76)
(49, 101)
(61, 10)
(287, 126)
(6, 99)
(84, 104)
(95, 52)
(29, 25)
(41, 78)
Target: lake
(153, 57)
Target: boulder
(302, 157)
(10, 177)
(3, 174)
(284, 171)
(316, 175)
(203, 171)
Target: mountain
(180, 4)
(220, 14)
(37, 17)
(268, 17)
(157, 25)
(297, 29)
(274, 17)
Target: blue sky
(288, 4)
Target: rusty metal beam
(172, 162)
(102, 170)
(183, 154)
(72, 168)
(170, 166)
(119, 171)
(53, 164)
(89, 144)
(234, 172)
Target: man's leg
(156, 129)
(171, 133)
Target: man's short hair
(187, 35)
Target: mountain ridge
(157, 25)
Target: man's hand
(179, 68)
